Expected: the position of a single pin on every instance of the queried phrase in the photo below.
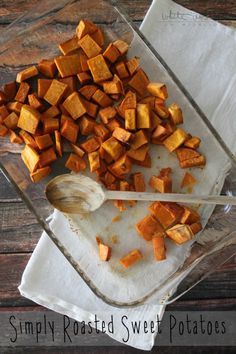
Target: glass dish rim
(120, 10)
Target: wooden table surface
(19, 231)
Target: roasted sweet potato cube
(98, 37)
(30, 158)
(29, 119)
(180, 233)
(22, 92)
(166, 213)
(186, 154)
(130, 119)
(139, 139)
(3, 113)
(35, 102)
(71, 83)
(158, 89)
(47, 157)
(9, 90)
(58, 143)
(43, 141)
(132, 65)
(40, 174)
(161, 109)
(138, 154)
(75, 163)
(101, 131)
(139, 82)
(121, 45)
(85, 27)
(91, 108)
(129, 102)
(107, 113)
(139, 182)
(88, 91)
(122, 70)
(3, 130)
(68, 65)
(55, 92)
(50, 125)
(159, 249)
(89, 46)
(11, 121)
(195, 162)
(155, 121)
(121, 167)
(109, 179)
(193, 142)
(105, 156)
(111, 53)
(47, 68)
(189, 216)
(176, 115)
(148, 227)
(99, 69)
(147, 162)
(70, 131)
(162, 184)
(90, 145)
(14, 106)
(122, 135)
(196, 227)
(188, 180)
(113, 148)
(76, 149)
(175, 140)
(74, 105)
(84, 77)
(143, 116)
(94, 160)
(26, 74)
(101, 98)
(104, 252)
(113, 124)
(51, 112)
(131, 258)
(86, 125)
(112, 87)
(15, 138)
(69, 46)
(43, 86)
(28, 139)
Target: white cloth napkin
(202, 53)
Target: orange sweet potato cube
(112, 87)
(84, 77)
(130, 119)
(83, 61)
(139, 82)
(189, 216)
(50, 125)
(121, 45)
(94, 160)
(139, 182)
(158, 89)
(51, 112)
(122, 70)
(91, 108)
(35, 102)
(193, 142)
(188, 180)
(43, 86)
(47, 68)
(29, 119)
(88, 91)
(113, 124)
(75, 163)
(122, 135)
(101, 98)
(43, 141)
(58, 143)
(86, 125)
(113, 148)
(161, 109)
(85, 27)
(3, 113)
(166, 213)
(162, 184)
(3, 130)
(196, 227)
(30, 158)
(107, 113)
(176, 115)
(74, 105)
(47, 157)
(71, 83)
(22, 92)
(10, 90)
(139, 139)
(190, 158)
(129, 102)
(101, 131)
(180, 233)
(99, 69)
(147, 162)
(11, 121)
(68, 65)
(131, 258)
(132, 65)
(69, 46)
(89, 46)
(90, 145)
(70, 131)
(159, 249)
(104, 252)
(138, 154)
(27, 74)
(28, 139)
(40, 174)
(111, 53)
(148, 227)
(121, 167)
(196, 162)
(76, 149)
(98, 37)
(15, 138)
(55, 92)
(143, 116)
(175, 140)
(14, 106)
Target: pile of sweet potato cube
(106, 108)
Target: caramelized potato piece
(88, 91)
(159, 249)
(26, 74)
(50, 125)
(43, 141)
(76, 149)
(139, 139)
(138, 154)
(14, 107)
(139, 82)
(99, 69)
(47, 157)
(74, 105)
(121, 45)
(139, 182)
(180, 233)
(101, 98)
(90, 145)
(70, 131)
(28, 139)
(68, 65)
(3, 130)
(94, 160)
(55, 92)
(175, 140)
(193, 142)
(101, 131)
(162, 184)
(58, 142)
(85, 27)
(107, 113)
(47, 68)
(29, 119)
(189, 216)
(166, 213)
(176, 115)
(131, 258)
(111, 53)
(43, 86)
(51, 112)
(40, 174)
(122, 135)
(129, 102)
(133, 65)
(3, 113)
(158, 90)
(86, 125)
(69, 46)
(15, 138)
(196, 227)
(104, 252)
(75, 163)
(30, 158)
(148, 227)
(122, 70)
(121, 167)
(130, 119)
(113, 148)
(98, 37)
(188, 180)
(22, 92)
(11, 121)
(35, 102)
(84, 78)
(143, 116)
(89, 46)
(9, 90)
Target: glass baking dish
(35, 36)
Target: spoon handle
(172, 197)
